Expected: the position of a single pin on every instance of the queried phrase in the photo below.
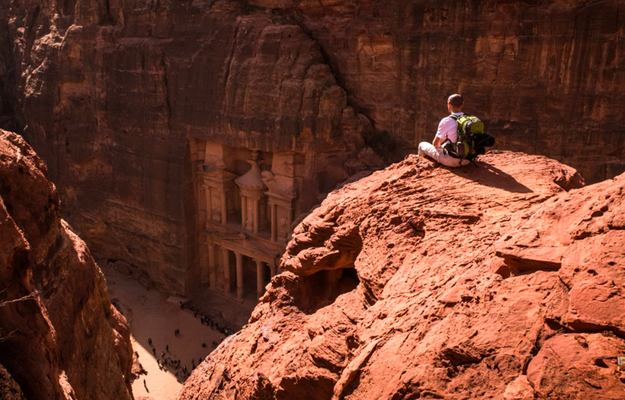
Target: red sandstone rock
(141, 89)
(578, 366)
(61, 337)
(433, 305)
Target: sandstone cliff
(60, 337)
(497, 281)
(121, 97)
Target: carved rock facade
(247, 216)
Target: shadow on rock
(489, 175)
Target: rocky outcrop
(119, 97)
(501, 280)
(60, 336)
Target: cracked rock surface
(482, 282)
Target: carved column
(212, 268)
(239, 258)
(204, 199)
(260, 282)
(224, 206)
(273, 210)
(282, 196)
(244, 211)
(281, 206)
(209, 205)
(225, 259)
(256, 215)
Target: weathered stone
(544, 76)
(9, 389)
(149, 95)
(519, 389)
(61, 337)
(594, 305)
(577, 366)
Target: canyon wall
(130, 102)
(545, 76)
(60, 337)
(502, 280)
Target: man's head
(455, 103)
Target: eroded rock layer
(503, 280)
(122, 98)
(60, 337)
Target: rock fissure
(231, 54)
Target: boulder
(60, 336)
(403, 285)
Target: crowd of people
(208, 321)
(167, 361)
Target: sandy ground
(152, 315)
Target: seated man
(447, 129)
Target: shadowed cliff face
(425, 282)
(60, 337)
(115, 95)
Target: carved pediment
(279, 187)
(217, 176)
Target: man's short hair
(455, 100)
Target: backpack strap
(455, 118)
(453, 153)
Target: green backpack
(472, 141)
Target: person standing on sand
(447, 130)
